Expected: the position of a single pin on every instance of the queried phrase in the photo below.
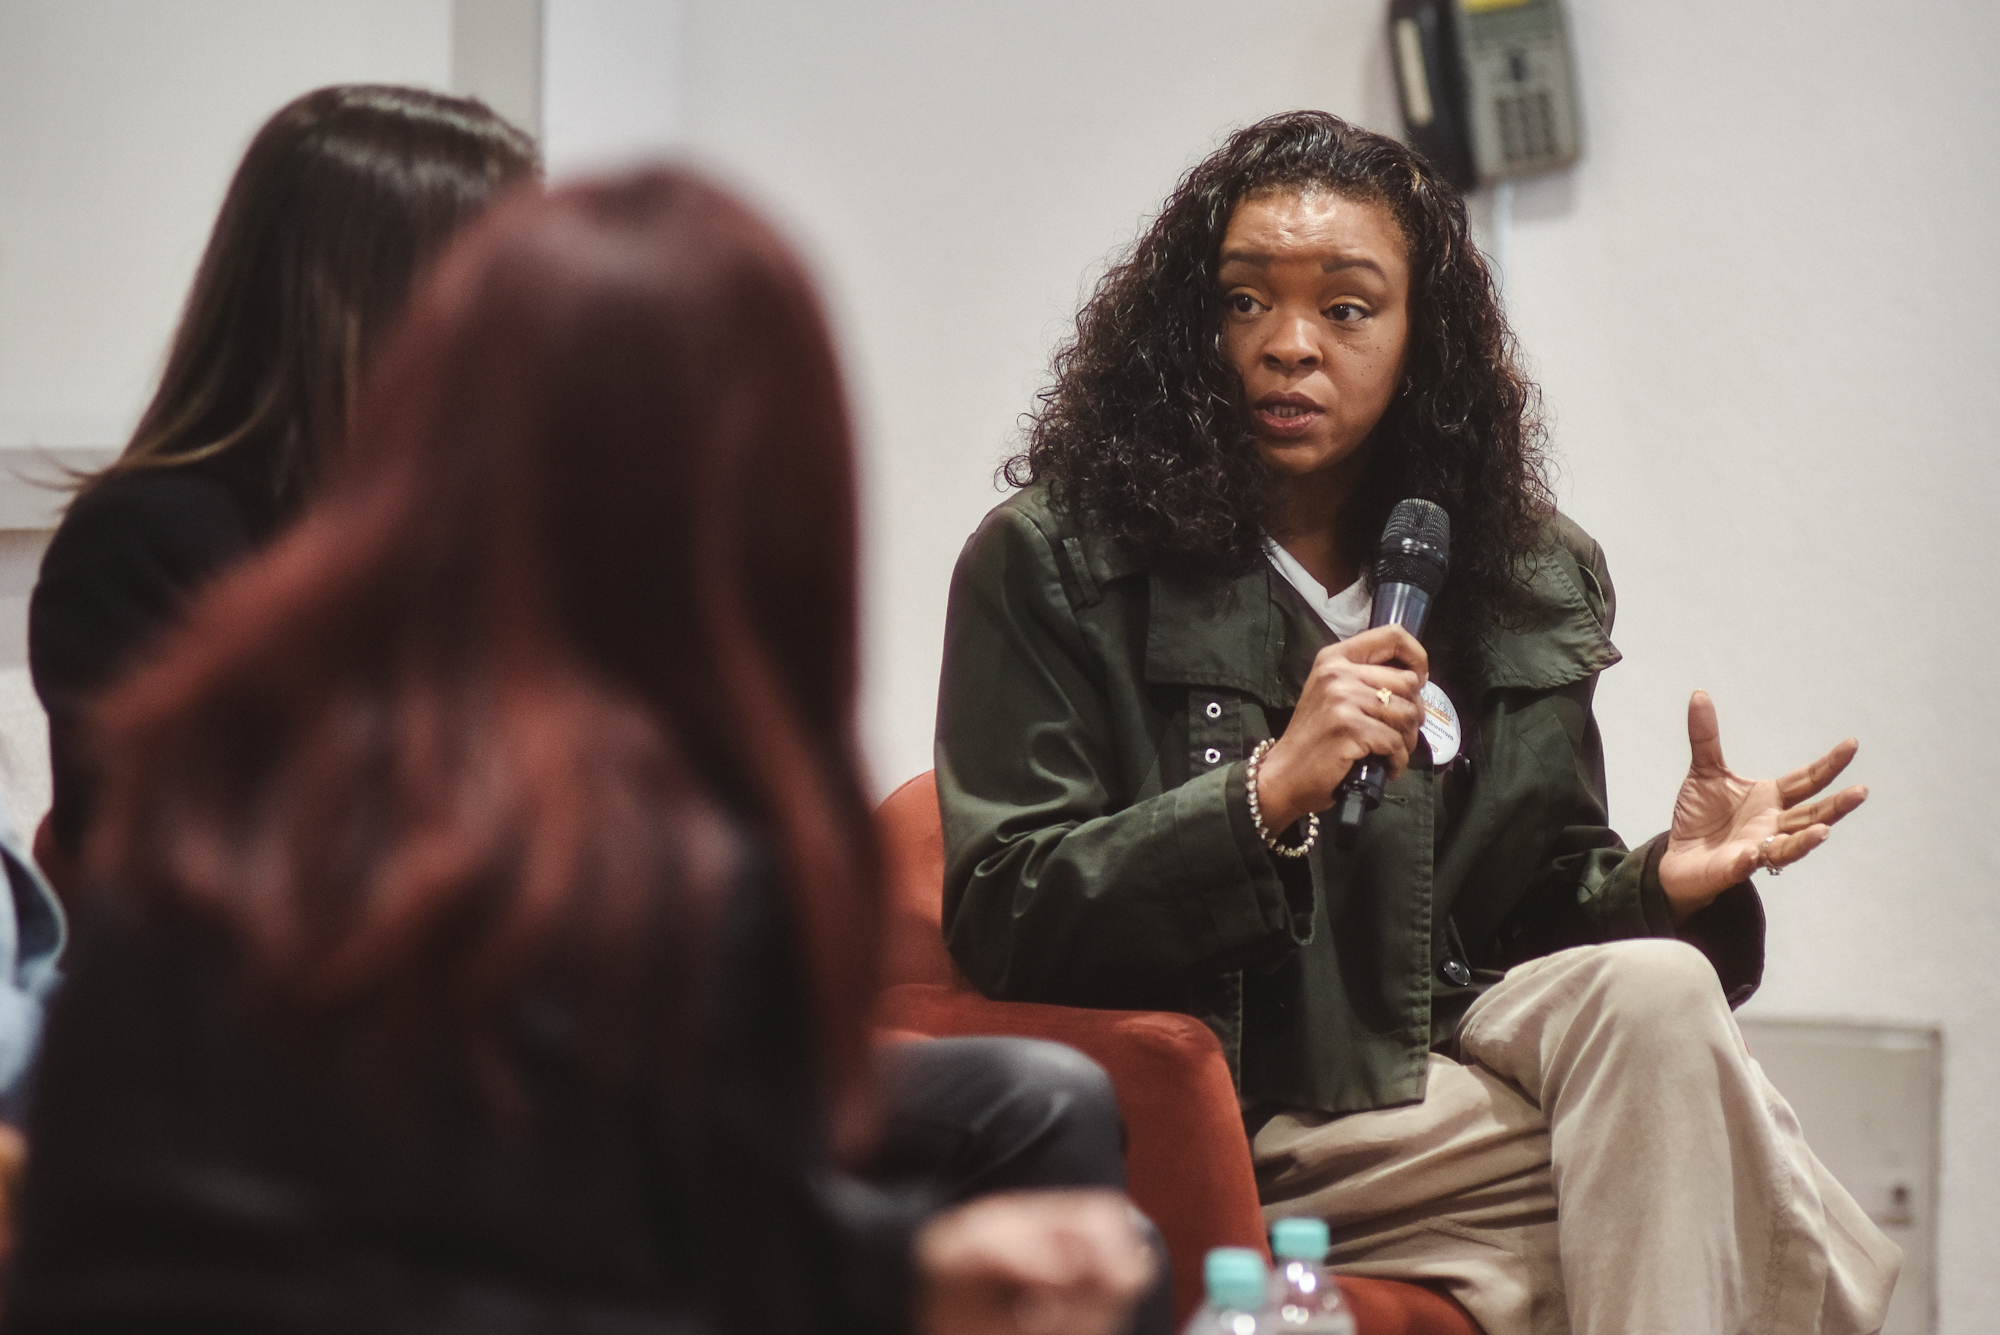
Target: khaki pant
(1607, 1160)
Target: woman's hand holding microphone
(1360, 699)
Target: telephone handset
(1488, 87)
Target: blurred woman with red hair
(482, 914)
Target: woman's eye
(1344, 313)
(1243, 303)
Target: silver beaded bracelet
(1257, 813)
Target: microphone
(1409, 570)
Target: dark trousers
(968, 1116)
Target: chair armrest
(1187, 1161)
(1396, 1307)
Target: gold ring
(1384, 694)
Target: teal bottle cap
(1300, 1240)
(1236, 1278)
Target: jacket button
(1454, 971)
(1214, 709)
(1211, 755)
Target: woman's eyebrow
(1259, 260)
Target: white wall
(1761, 308)
(611, 82)
(496, 56)
(120, 122)
(1764, 321)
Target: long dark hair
(579, 601)
(1144, 435)
(341, 198)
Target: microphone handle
(1398, 604)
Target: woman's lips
(1286, 414)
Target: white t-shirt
(1346, 613)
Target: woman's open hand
(1361, 699)
(1727, 826)
(1068, 1262)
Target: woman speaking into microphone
(1489, 1043)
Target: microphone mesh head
(1415, 543)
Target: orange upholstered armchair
(1187, 1160)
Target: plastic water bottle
(1238, 1287)
(1304, 1299)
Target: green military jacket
(1094, 720)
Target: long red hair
(575, 614)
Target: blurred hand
(1722, 820)
(1032, 1263)
(1341, 717)
(13, 1162)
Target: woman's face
(1316, 318)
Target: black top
(197, 1169)
(121, 566)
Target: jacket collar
(1562, 640)
(1246, 634)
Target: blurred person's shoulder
(185, 519)
(126, 559)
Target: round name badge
(1440, 724)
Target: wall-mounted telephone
(1488, 88)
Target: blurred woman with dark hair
(482, 919)
(342, 197)
(1489, 1043)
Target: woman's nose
(1291, 345)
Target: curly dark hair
(1144, 436)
